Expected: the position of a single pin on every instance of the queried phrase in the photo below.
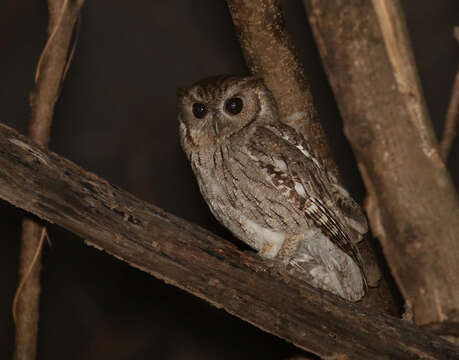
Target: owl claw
(268, 251)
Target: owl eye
(199, 110)
(234, 105)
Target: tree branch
(412, 204)
(196, 261)
(51, 71)
(269, 53)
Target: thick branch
(269, 53)
(412, 204)
(192, 259)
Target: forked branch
(269, 53)
(412, 203)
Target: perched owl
(264, 182)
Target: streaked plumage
(264, 182)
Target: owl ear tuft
(181, 92)
(256, 79)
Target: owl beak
(218, 125)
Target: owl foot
(267, 251)
(289, 248)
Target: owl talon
(267, 251)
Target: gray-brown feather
(263, 181)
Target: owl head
(215, 108)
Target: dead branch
(412, 203)
(50, 74)
(269, 53)
(196, 261)
(449, 131)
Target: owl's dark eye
(199, 110)
(234, 105)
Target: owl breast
(243, 199)
(275, 212)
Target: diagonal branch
(196, 261)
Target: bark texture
(196, 261)
(50, 74)
(270, 54)
(412, 204)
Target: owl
(263, 181)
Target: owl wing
(293, 170)
(348, 208)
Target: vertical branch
(50, 74)
(412, 204)
(269, 53)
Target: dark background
(116, 117)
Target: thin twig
(51, 70)
(43, 236)
(49, 42)
(449, 131)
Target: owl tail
(324, 265)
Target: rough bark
(412, 204)
(51, 71)
(270, 54)
(196, 261)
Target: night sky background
(117, 118)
